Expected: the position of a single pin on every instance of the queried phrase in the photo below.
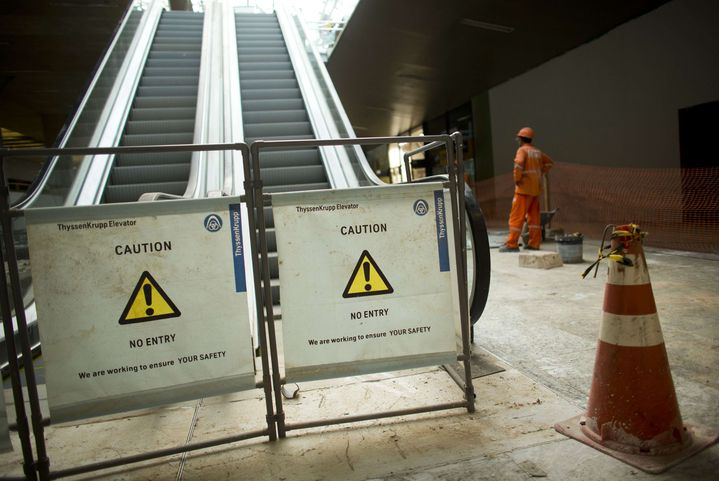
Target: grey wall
(614, 101)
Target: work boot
(508, 249)
(530, 248)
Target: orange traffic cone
(632, 413)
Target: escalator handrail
(338, 166)
(482, 260)
(206, 173)
(336, 109)
(92, 186)
(232, 115)
(474, 215)
(48, 166)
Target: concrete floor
(539, 325)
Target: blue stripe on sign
(440, 220)
(238, 255)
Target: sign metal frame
(37, 465)
(453, 146)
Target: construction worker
(530, 164)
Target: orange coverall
(529, 165)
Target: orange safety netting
(679, 208)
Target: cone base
(699, 439)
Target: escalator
(272, 105)
(274, 61)
(273, 49)
(273, 109)
(163, 112)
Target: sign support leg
(262, 338)
(455, 171)
(8, 257)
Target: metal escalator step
(168, 80)
(290, 158)
(272, 260)
(182, 30)
(281, 176)
(131, 193)
(298, 115)
(266, 75)
(277, 129)
(167, 91)
(257, 18)
(166, 126)
(162, 114)
(271, 239)
(181, 16)
(247, 27)
(247, 66)
(158, 158)
(170, 54)
(180, 24)
(274, 83)
(169, 71)
(275, 285)
(269, 218)
(180, 51)
(297, 187)
(157, 139)
(250, 57)
(276, 94)
(143, 174)
(256, 22)
(260, 40)
(173, 63)
(249, 140)
(159, 102)
(165, 28)
(257, 50)
(272, 104)
(188, 42)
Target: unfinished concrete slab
(539, 325)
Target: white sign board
(140, 304)
(365, 279)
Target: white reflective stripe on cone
(631, 331)
(622, 275)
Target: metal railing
(38, 464)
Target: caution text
(153, 341)
(369, 313)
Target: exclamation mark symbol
(365, 268)
(147, 290)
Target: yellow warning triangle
(148, 302)
(367, 279)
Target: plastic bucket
(570, 248)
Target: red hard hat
(526, 132)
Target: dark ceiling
(48, 51)
(397, 63)
(400, 62)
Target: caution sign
(367, 279)
(383, 294)
(148, 302)
(142, 304)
